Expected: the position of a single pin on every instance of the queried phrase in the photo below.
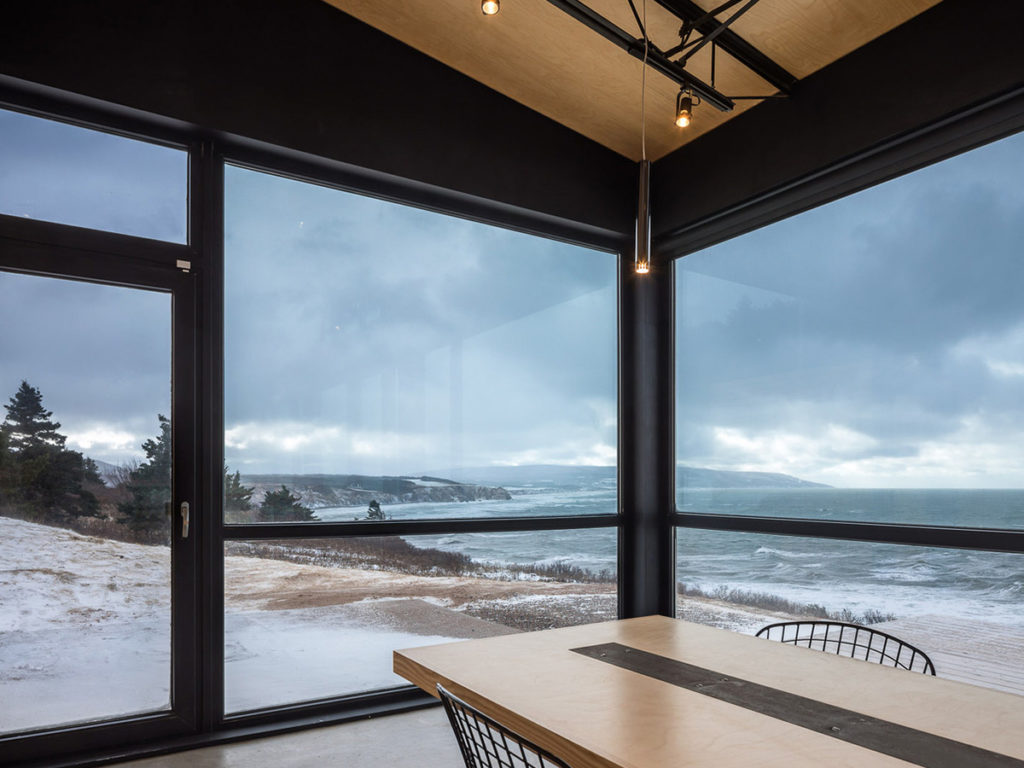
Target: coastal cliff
(321, 491)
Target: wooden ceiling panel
(541, 57)
(805, 35)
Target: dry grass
(395, 554)
(770, 602)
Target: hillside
(695, 477)
(583, 476)
(322, 491)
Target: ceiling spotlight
(490, 7)
(685, 102)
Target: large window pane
(385, 362)
(874, 345)
(961, 607)
(85, 567)
(63, 173)
(308, 619)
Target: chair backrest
(486, 743)
(851, 640)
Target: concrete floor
(422, 739)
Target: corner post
(646, 439)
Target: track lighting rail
(656, 58)
(709, 37)
(695, 17)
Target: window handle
(184, 519)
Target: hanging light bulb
(642, 251)
(490, 7)
(684, 108)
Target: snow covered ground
(85, 634)
(85, 624)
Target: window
(861, 362)
(389, 366)
(63, 173)
(85, 566)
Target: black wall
(302, 75)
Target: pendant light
(490, 7)
(642, 246)
(684, 108)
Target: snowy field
(85, 624)
(84, 627)
(84, 634)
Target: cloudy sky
(371, 337)
(874, 342)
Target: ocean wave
(1012, 591)
(909, 573)
(772, 551)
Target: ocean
(902, 581)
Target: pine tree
(28, 424)
(59, 486)
(282, 507)
(374, 512)
(37, 473)
(6, 470)
(149, 484)
(237, 498)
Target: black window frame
(122, 255)
(63, 251)
(647, 521)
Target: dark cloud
(877, 334)
(100, 355)
(880, 313)
(387, 320)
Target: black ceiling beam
(656, 59)
(733, 44)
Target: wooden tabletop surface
(590, 712)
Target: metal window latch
(184, 519)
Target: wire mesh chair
(851, 640)
(486, 743)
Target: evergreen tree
(374, 512)
(237, 498)
(37, 473)
(57, 482)
(28, 424)
(149, 484)
(6, 470)
(282, 507)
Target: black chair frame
(486, 743)
(852, 640)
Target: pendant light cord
(643, 89)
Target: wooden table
(661, 693)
